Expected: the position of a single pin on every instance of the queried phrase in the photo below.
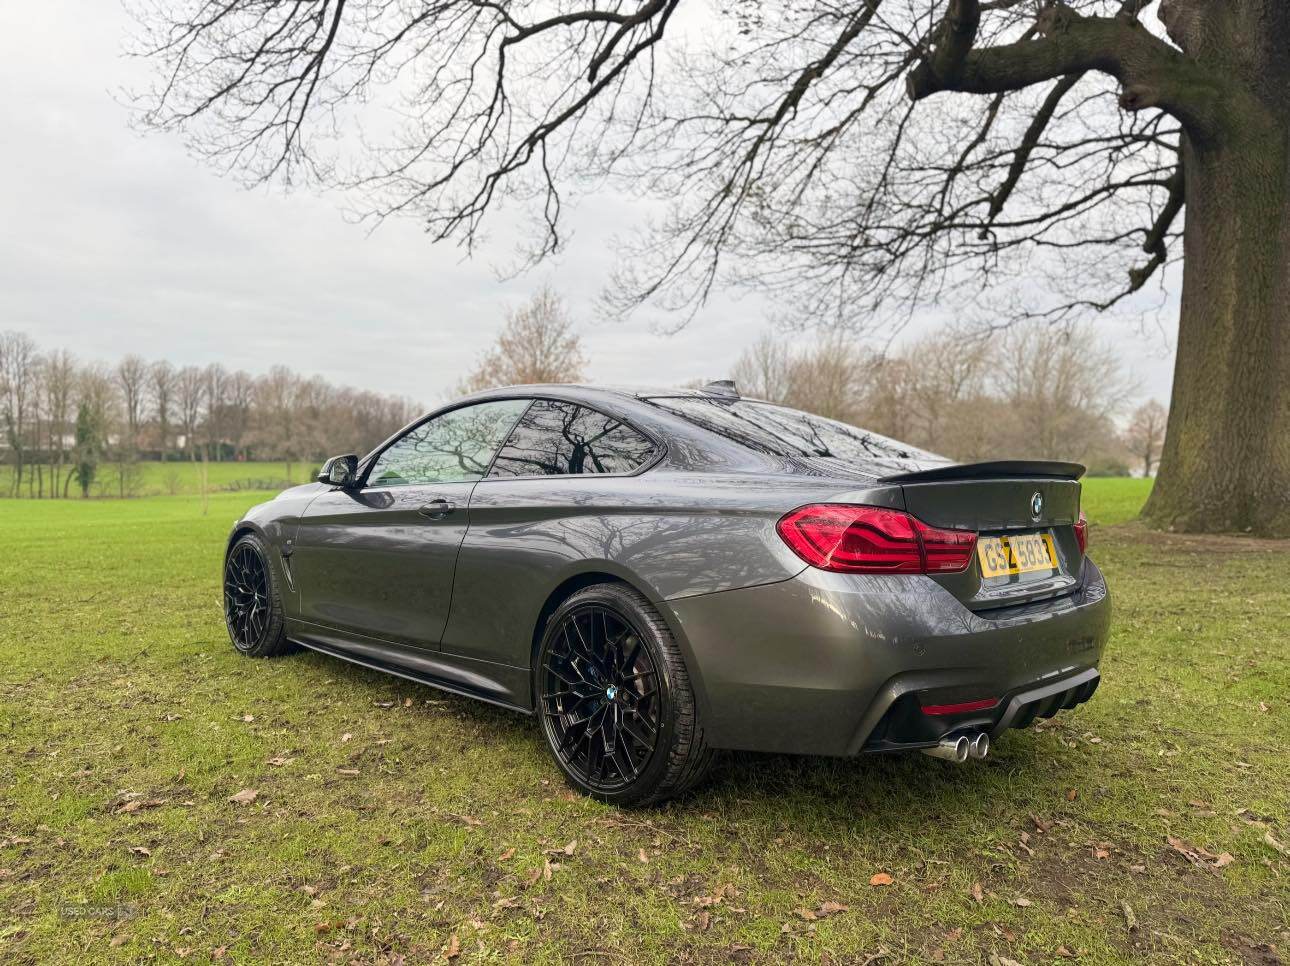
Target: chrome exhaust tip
(979, 746)
(951, 749)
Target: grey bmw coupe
(656, 575)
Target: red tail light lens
(1081, 532)
(873, 540)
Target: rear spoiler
(994, 469)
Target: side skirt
(421, 668)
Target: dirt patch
(1208, 543)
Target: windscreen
(781, 431)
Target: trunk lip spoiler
(991, 469)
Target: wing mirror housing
(340, 471)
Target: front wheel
(252, 602)
(615, 699)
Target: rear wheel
(615, 699)
(252, 602)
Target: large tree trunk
(1226, 459)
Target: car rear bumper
(835, 664)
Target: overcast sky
(115, 243)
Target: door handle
(437, 509)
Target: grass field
(179, 478)
(391, 823)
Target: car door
(377, 560)
(554, 496)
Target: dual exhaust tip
(959, 748)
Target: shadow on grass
(889, 795)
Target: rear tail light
(1081, 532)
(873, 540)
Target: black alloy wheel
(252, 604)
(601, 696)
(615, 699)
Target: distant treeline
(67, 423)
(1028, 392)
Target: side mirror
(340, 471)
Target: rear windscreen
(788, 432)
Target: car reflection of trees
(563, 439)
(455, 447)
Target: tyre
(252, 601)
(615, 699)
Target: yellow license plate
(1021, 553)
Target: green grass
(1115, 499)
(176, 478)
(119, 685)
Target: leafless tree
(217, 386)
(537, 344)
(1062, 389)
(132, 378)
(161, 386)
(1146, 433)
(190, 395)
(826, 376)
(60, 391)
(276, 401)
(764, 369)
(237, 409)
(855, 158)
(19, 361)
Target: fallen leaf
(140, 850)
(806, 914)
(977, 893)
(1022, 902)
(279, 761)
(1065, 953)
(881, 879)
(954, 935)
(248, 718)
(830, 908)
(703, 920)
(245, 797)
(1198, 856)
(1130, 920)
(351, 772)
(507, 855)
(346, 737)
(133, 805)
(120, 940)
(453, 949)
(997, 960)
(1267, 837)
(642, 856)
(1071, 794)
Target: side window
(454, 447)
(562, 439)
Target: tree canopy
(799, 148)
